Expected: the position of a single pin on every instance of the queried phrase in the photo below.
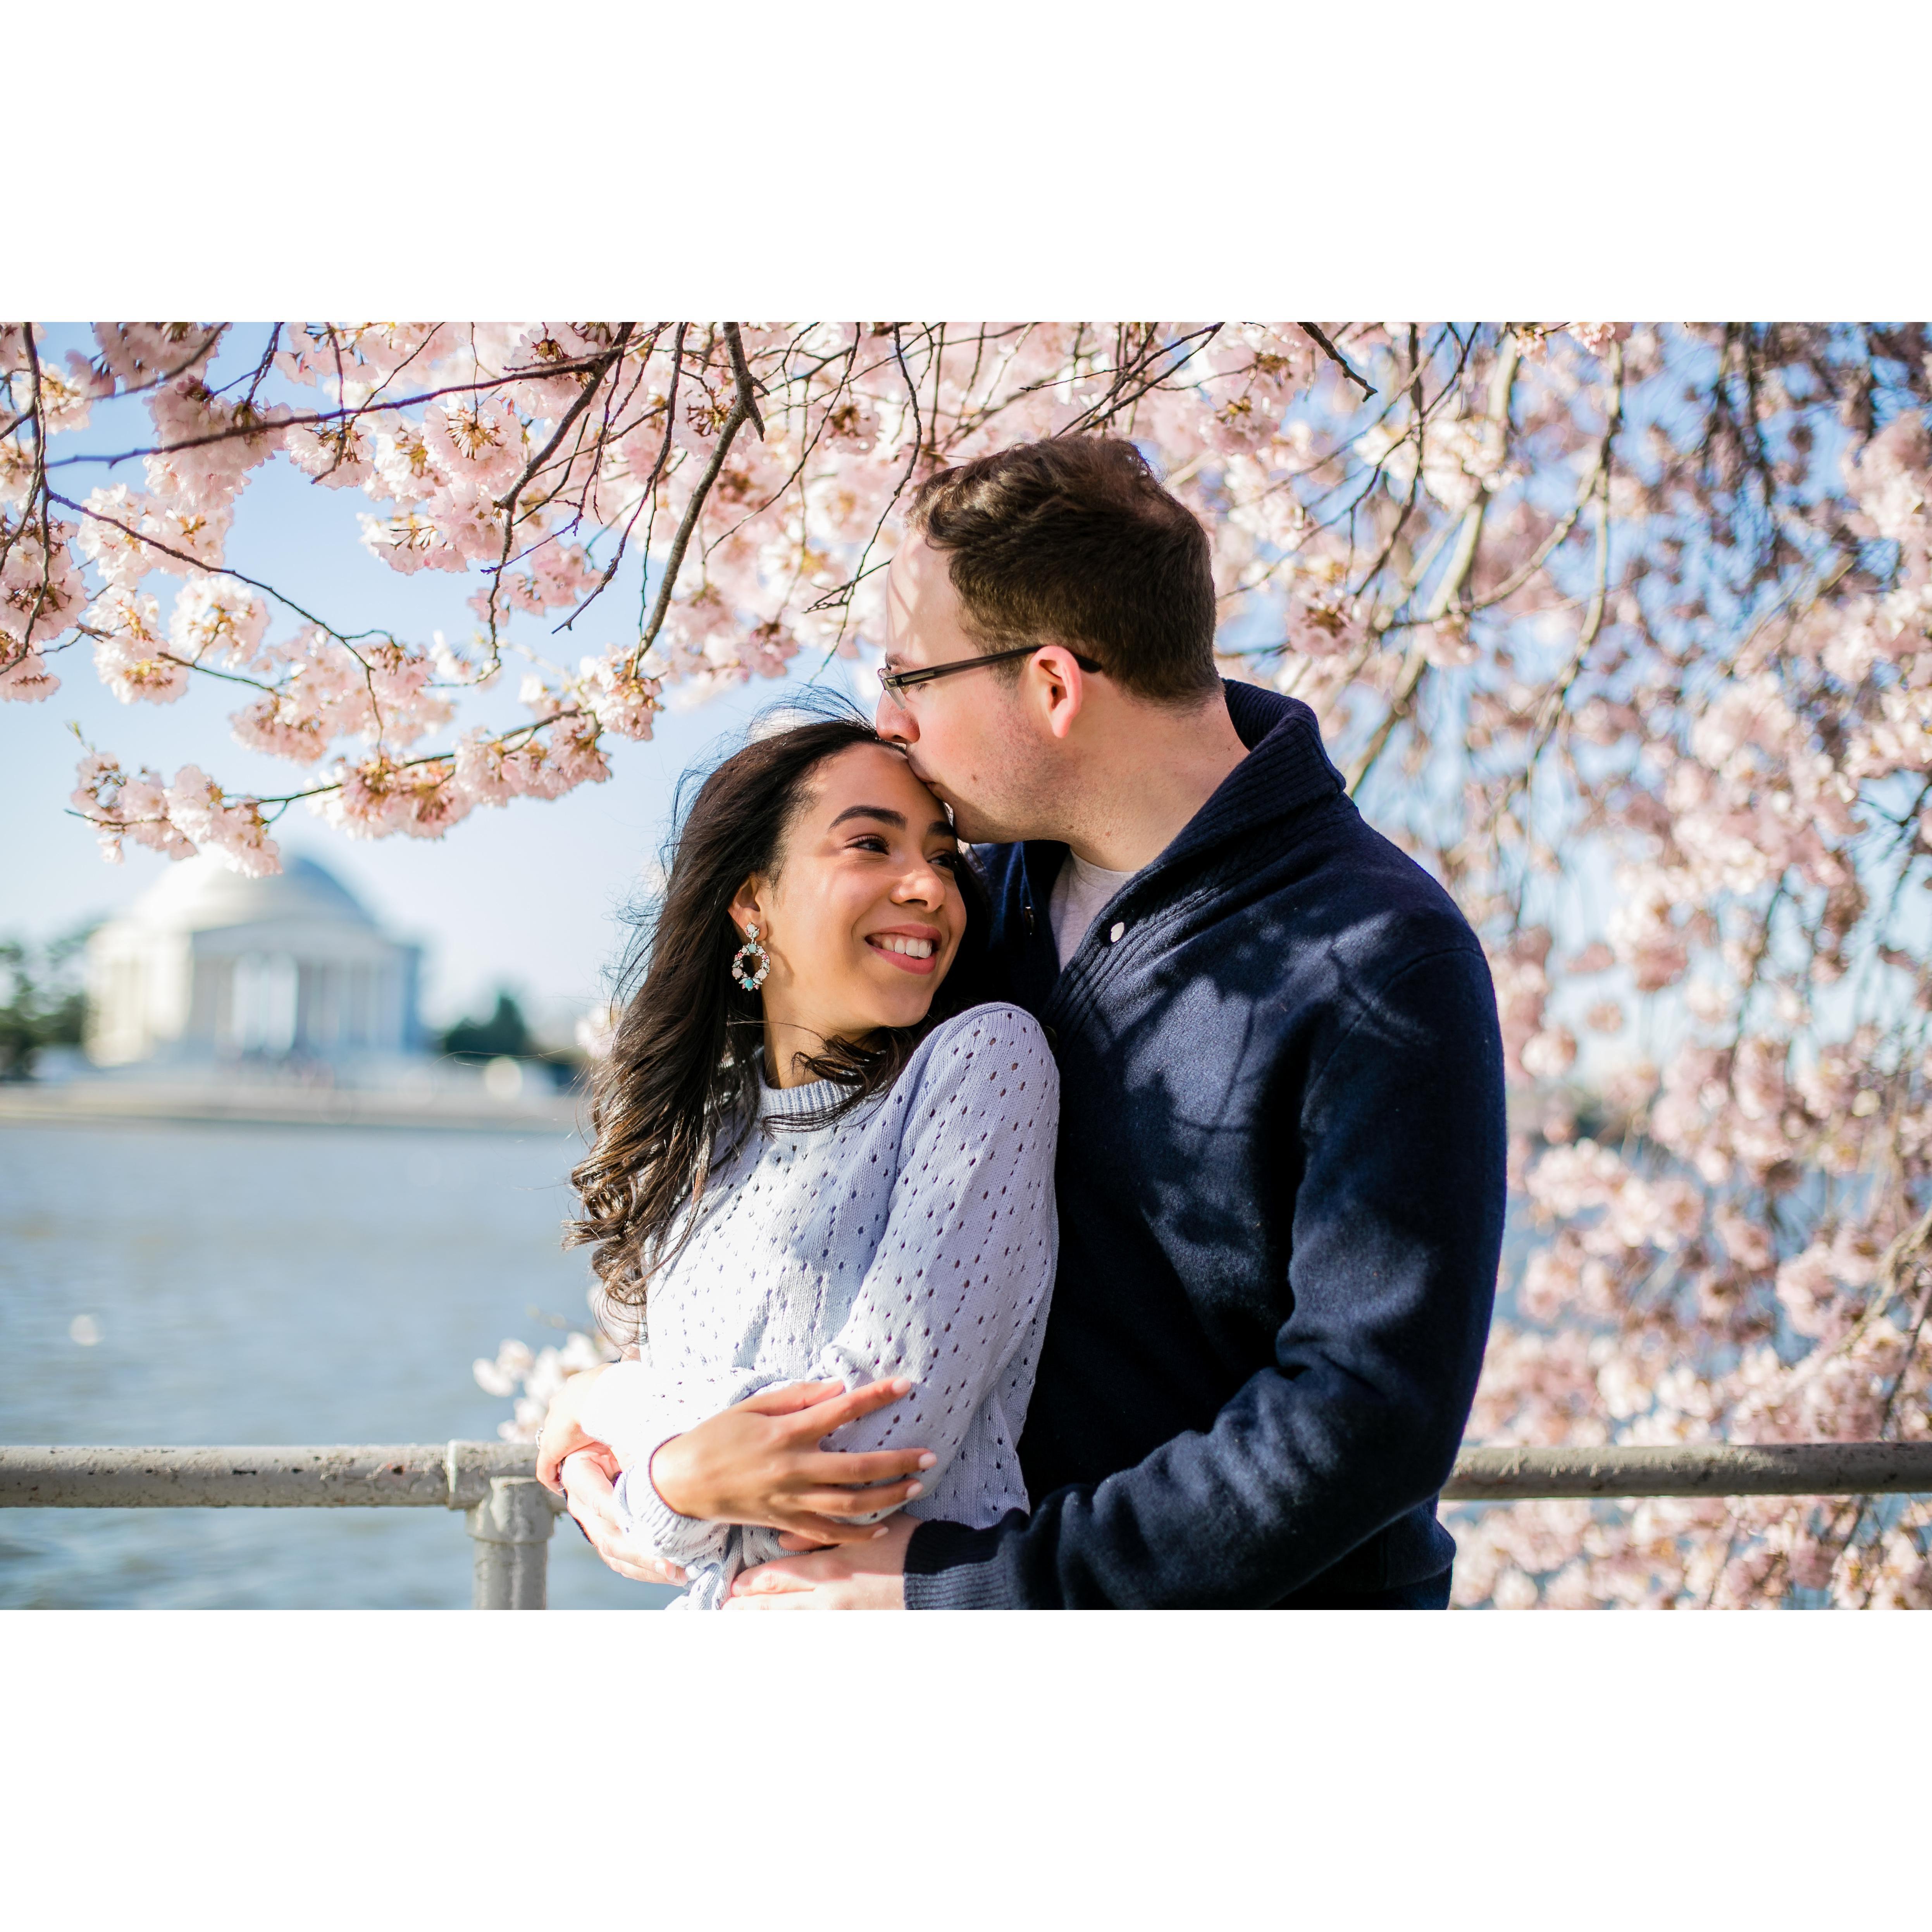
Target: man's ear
(747, 904)
(1062, 687)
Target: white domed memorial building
(290, 974)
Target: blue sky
(524, 897)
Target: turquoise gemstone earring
(751, 978)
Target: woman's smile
(910, 948)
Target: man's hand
(589, 1483)
(861, 1576)
(759, 1462)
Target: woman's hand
(759, 1462)
(563, 1434)
(590, 1477)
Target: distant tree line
(505, 1034)
(42, 1003)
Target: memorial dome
(292, 970)
(201, 894)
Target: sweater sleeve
(1396, 1227)
(956, 1285)
(637, 1407)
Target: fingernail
(879, 1532)
(926, 1461)
(900, 1385)
(914, 1489)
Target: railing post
(512, 1529)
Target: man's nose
(892, 722)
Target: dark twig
(335, 417)
(1335, 356)
(740, 410)
(507, 502)
(218, 570)
(597, 372)
(647, 496)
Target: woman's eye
(869, 842)
(950, 860)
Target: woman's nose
(922, 884)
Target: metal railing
(510, 1516)
(1693, 1469)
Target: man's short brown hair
(1074, 542)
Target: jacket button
(1119, 927)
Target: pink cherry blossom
(232, 830)
(136, 660)
(218, 620)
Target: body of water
(188, 1284)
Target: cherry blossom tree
(1623, 631)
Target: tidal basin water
(268, 1284)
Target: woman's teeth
(914, 949)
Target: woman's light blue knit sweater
(915, 1237)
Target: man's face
(966, 736)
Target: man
(1281, 1170)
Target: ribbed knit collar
(789, 1103)
(1286, 770)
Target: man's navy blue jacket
(1280, 1183)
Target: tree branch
(1335, 356)
(739, 411)
(1502, 383)
(747, 391)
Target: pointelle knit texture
(916, 1237)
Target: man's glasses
(899, 681)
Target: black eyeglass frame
(899, 681)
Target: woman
(814, 1163)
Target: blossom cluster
(1725, 1229)
(533, 1376)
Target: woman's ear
(747, 904)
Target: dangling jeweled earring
(751, 978)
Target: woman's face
(864, 916)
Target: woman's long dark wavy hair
(678, 1090)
